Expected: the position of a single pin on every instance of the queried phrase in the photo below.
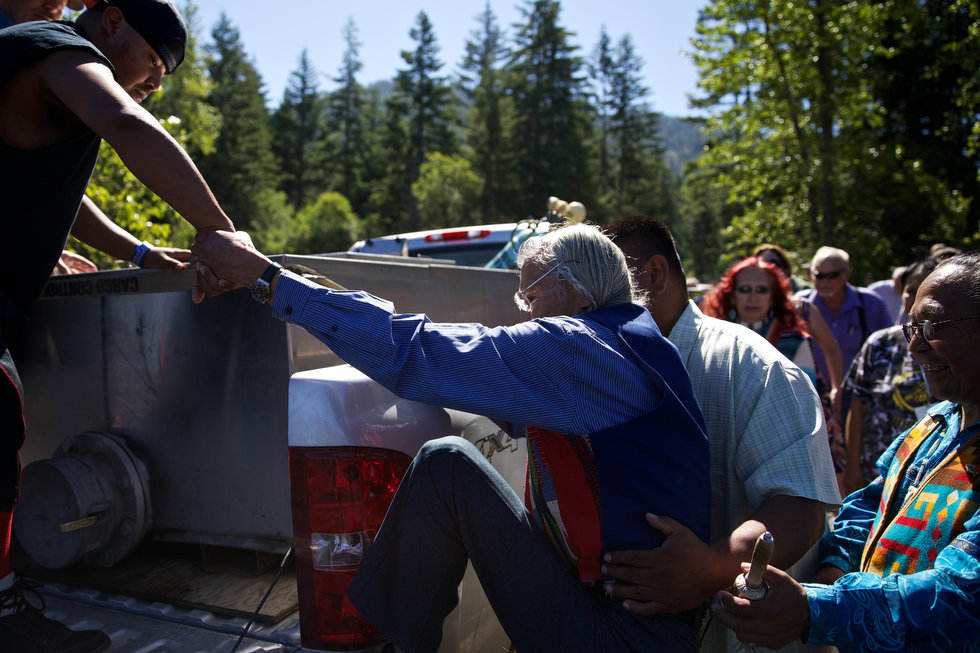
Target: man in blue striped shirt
(613, 431)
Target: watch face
(260, 290)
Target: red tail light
(339, 497)
(459, 234)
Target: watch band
(270, 272)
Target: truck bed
(138, 626)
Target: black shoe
(25, 629)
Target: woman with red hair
(754, 293)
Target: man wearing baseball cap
(63, 88)
(158, 22)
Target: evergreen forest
(854, 124)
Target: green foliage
(390, 203)
(446, 192)
(181, 110)
(185, 93)
(327, 225)
(405, 159)
(842, 123)
(699, 227)
(633, 175)
(850, 123)
(422, 116)
(272, 230)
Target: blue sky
(275, 34)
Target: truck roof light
(457, 234)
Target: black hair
(651, 235)
(784, 263)
(921, 267)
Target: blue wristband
(141, 253)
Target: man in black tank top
(63, 88)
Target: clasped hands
(224, 260)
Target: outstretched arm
(89, 91)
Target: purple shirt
(847, 324)
(893, 300)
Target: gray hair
(587, 260)
(826, 252)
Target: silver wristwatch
(260, 287)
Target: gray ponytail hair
(587, 259)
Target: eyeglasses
(759, 290)
(827, 275)
(927, 328)
(521, 299)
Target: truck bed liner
(138, 626)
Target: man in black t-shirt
(63, 88)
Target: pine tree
(242, 166)
(344, 119)
(391, 206)
(601, 71)
(427, 105)
(551, 113)
(640, 177)
(429, 98)
(485, 91)
(298, 128)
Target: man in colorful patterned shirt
(887, 389)
(901, 570)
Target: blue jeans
(453, 506)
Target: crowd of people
(664, 435)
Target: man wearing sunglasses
(901, 570)
(851, 313)
(613, 432)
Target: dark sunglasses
(745, 289)
(927, 328)
(827, 275)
